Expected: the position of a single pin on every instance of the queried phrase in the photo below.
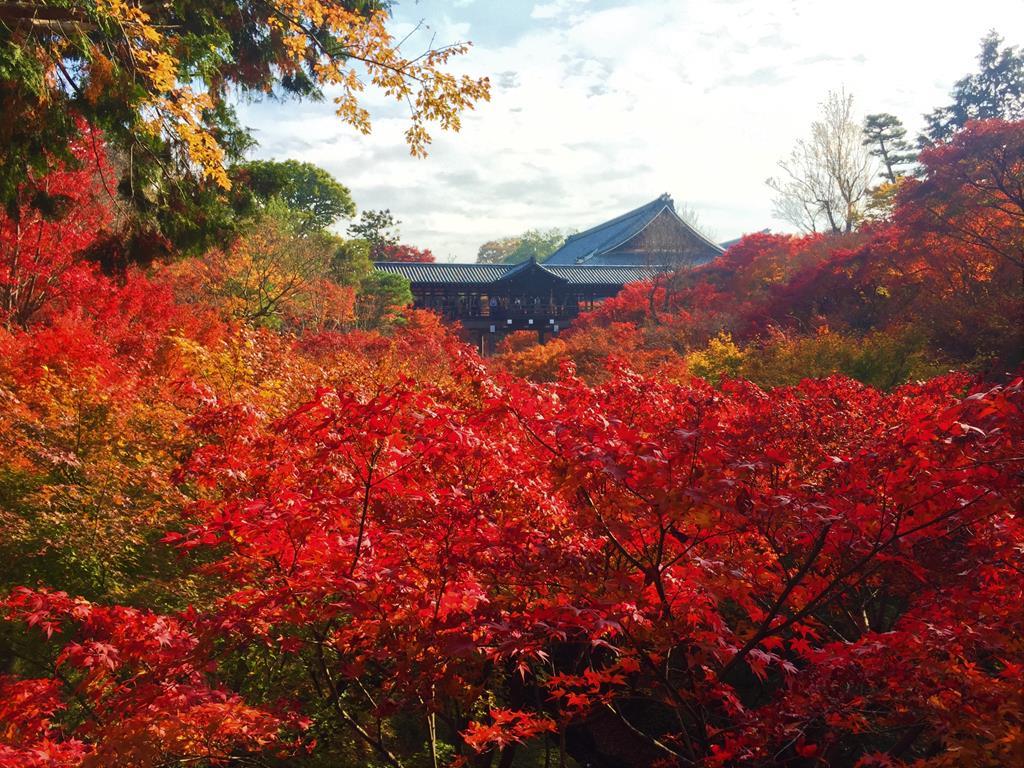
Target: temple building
(492, 300)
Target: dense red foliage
(358, 548)
(734, 559)
(62, 215)
(138, 676)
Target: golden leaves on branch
(170, 109)
(135, 53)
(432, 94)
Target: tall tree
(316, 198)
(378, 228)
(996, 90)
(886, 139)
(825, 179)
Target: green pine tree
(886, 138)
(995, 91)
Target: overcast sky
(601, 105)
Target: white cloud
(555, 9)
(601, 106)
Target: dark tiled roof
(592, 244)
(643, 260)
(583, 245)
(476, 274)
(421, 272)
(601, 275)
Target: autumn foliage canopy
(344, 539)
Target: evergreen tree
(995, 91)
(378, 228)
(310, 192)
(886, 139)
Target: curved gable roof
(581, 247)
